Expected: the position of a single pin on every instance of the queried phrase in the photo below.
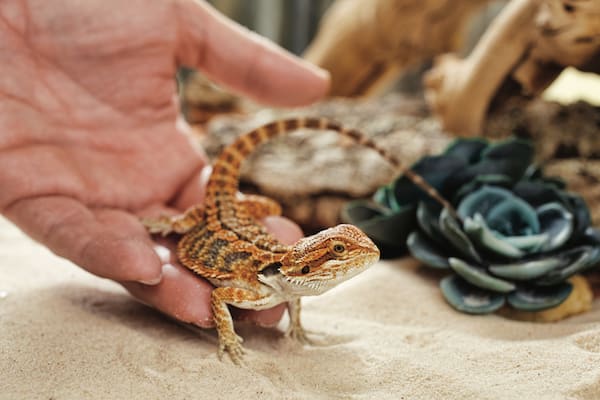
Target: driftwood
(314, 175)
(367, 44)
(531, 42)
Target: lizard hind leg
(181, 223)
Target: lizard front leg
(295, 330)
(181, 223)
(229, 341)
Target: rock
(578, 302)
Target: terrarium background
(293, 23)
(565, 135)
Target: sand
(388, 334)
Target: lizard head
(319, 262)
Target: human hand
(88, 139)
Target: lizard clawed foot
(298, 334)
(160, 225)
(233, 347)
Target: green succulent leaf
(482, 201)
(434, 169)
(451, 230)
(591, 236)
(538, 193)
(534, 298)
(577, 260)
(469, 299)
(479, 181)
(425, 251)
(385, 197)
(529, 243)
(533, 172)
(386, 228)
(527, 270)
(519, 150)
(502, 210)
(581, 214)
(467, 149)
(513, 217)
(479, 277)
(428, 221)
(359, 211)
(556, 222)
(510, 158)
(481, 234)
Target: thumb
(244, 61)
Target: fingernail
(315, 69)
(323, 73)
(163, 253)
(151, 282)
(204, 323)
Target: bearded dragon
(224, 243)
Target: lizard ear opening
(271, 269)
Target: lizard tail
(224, 179)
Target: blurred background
(410, 33)
(294, 23)
(291, 23)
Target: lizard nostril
(305, 269)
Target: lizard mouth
(329, 275)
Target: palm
(107, 108)
(88, 138)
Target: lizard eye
(338, 248)
(305, 269)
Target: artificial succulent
(516, 236)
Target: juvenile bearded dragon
(224, 243)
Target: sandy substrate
(65, 334)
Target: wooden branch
(455, 83)
(367, 44)
(531, 41)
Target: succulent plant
(516, 238)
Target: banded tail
(223, 182)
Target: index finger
(244, 61)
